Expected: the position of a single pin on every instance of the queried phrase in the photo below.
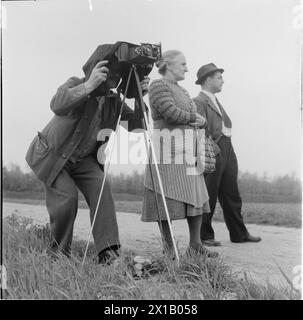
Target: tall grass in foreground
(32, 274)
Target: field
(277, 214)
(32, 274)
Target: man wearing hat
(221, 184)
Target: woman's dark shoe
(211, 243)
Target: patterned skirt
(176, 209)
(184, 188)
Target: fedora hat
(207, 70)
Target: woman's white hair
(167, 57)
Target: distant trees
(285, 188)
(253, 188)
(127, 183)
(14, 179)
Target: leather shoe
(250, 238)
(108, 256)
(211, 243)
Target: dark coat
(208, 110)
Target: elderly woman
(186, 196)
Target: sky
(254, 41)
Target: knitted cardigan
(171, 102)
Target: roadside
(261, 213)
(280, 244)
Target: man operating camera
(63, 155)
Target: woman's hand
(200, 121)
(144, 85)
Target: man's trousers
(62, 205)
(223, 185)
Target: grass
(32, 274)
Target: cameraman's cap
(207, 70)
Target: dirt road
(279, 244)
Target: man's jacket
(208, 110)
(74, 111)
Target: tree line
(253, 188)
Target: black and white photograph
(151, 151)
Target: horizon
(125, 172)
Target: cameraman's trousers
(222, 184)
(62, 205)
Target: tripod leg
(107, 169)
(153, 184)
(156, 165)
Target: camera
(145, 54)
(122, 56)
(142, 56)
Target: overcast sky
(46, 42)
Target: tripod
(148, 141)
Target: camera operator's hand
(98, 76)
(144, 85)
(200, 121)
